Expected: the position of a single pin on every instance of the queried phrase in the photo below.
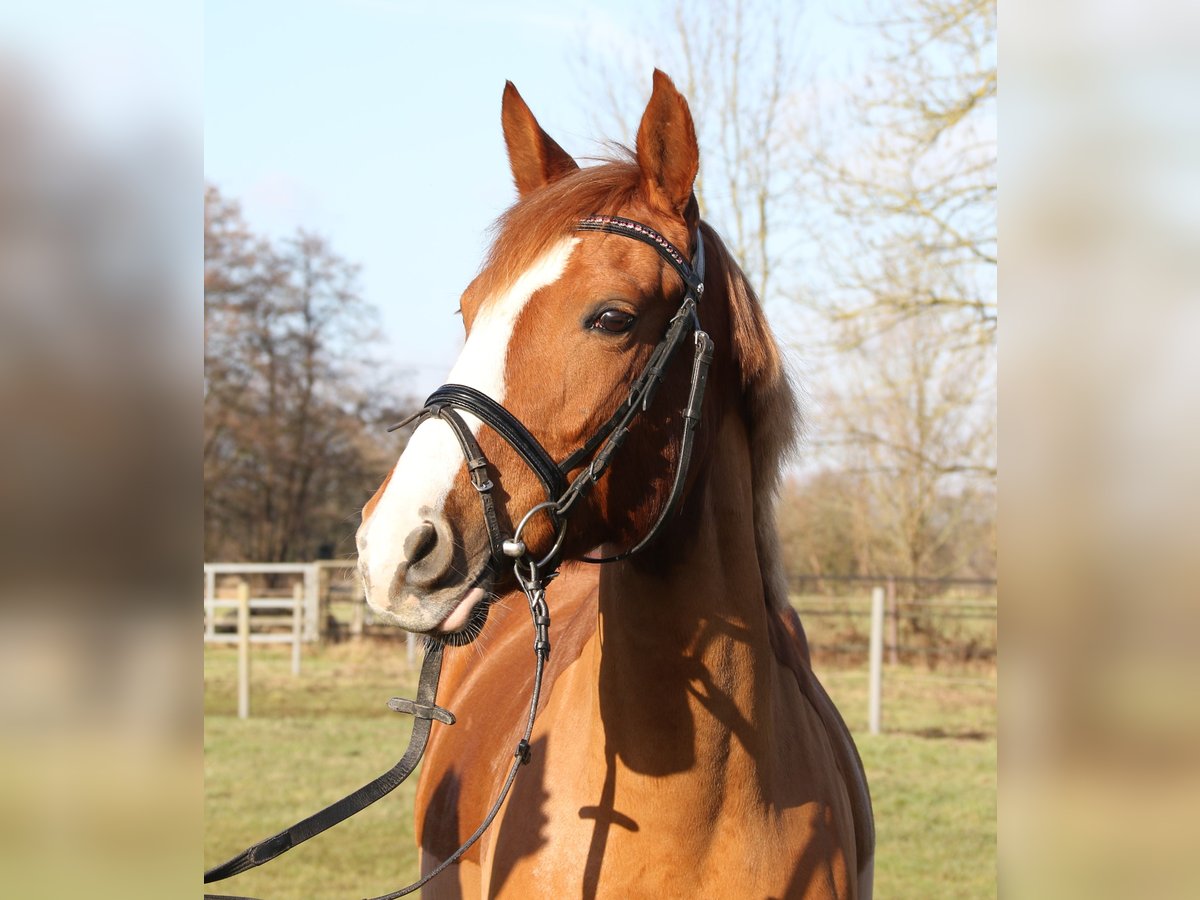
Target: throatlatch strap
(691, 421)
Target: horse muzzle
(435, 586)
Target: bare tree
(736, 62)
(910, 417)
(293, 445)
(907, 170)
(907, 174)
(821, 525)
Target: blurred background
(100, 356)
(849, 157)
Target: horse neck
(684, 652)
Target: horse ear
(535, 157)
(667, 152)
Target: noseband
(448, 403)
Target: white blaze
(425, 473)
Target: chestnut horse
(684, 746)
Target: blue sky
(377, 123)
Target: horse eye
(614, 321)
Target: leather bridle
(448, 403)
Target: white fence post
(875, 689)
(893, 612)
(410, 649)
(210, 611)
(243, 650)
(313, 602)
(297, 618)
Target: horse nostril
(429, 554)
(420, 542)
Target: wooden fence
(284, 603)
(297, 603)
(943, 622)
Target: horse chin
(451, 615)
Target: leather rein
(447, 403)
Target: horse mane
(529, 228)
(773, 416)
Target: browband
(692, 275)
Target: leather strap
(535, 593)
(425, 709)
(468, 399)
(693, 276)
(691, 422)
(609, 437)
(477, 466)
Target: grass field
(311, 739)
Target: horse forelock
(536, 222)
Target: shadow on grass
(945, 734)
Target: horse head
(559, 323)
